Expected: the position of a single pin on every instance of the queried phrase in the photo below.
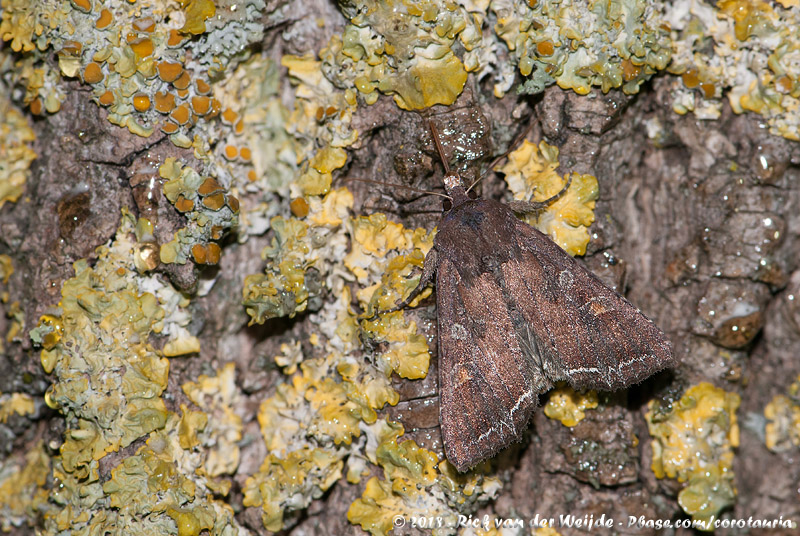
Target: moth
(516, 314)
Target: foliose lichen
(783, 420)
(583, 44)
(568, 406)
(210, 209)
(746, 50)
(693, 442)
(16, 154)
(531, 176)
(23, 487)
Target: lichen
(405, 49)
(140, 63)
(746, 50)
(108, 379)
(218, 397)
(582, 44)
(302, 254)
(210, 209)
(413, 481)
(531, 176)
(15, 404)
(108, 382)
(23, 490)
(693, 442)
(568, 406)
(16, 154)
(783, 420)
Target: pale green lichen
(404, 49)
(530, 174)
(414, 480)
(583, 44)
(210, 209)
(745, 49)
(693, 442)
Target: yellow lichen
(693, 442)
(281, 482)
(15, 404)
(414, 481)
(197, 12)
(302, 251)
(783, 420)
(530, 174)
(218, 397)
(406, 50)
(568, 406)
(15, 152)
(22, 487)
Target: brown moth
(515, 315)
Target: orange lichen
(82, 5)
(245, 153)
(214, 252)
(183, 81)
(180, 114)
(299, 207)
(183, 204)
(206, 254)
(209, 186)
(93, 74)
(201, 105)
(165, 102)
(106, 99)
(690, 79)
(202, 86)
(231, 152)
(630, 71)
(142, 47)
(169, 128)
(169, 71)
(175, 38)
(215, 201)
(233, 202)
(199, 254)
(545, 48)
(141, 102)
(104, 20)
(36, 106)
(229, 117)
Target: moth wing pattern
(516, 314)
(586, 333)
(488, 385)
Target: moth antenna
(527, 207)
(411, 188)
(439, 147)
(514, 145)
